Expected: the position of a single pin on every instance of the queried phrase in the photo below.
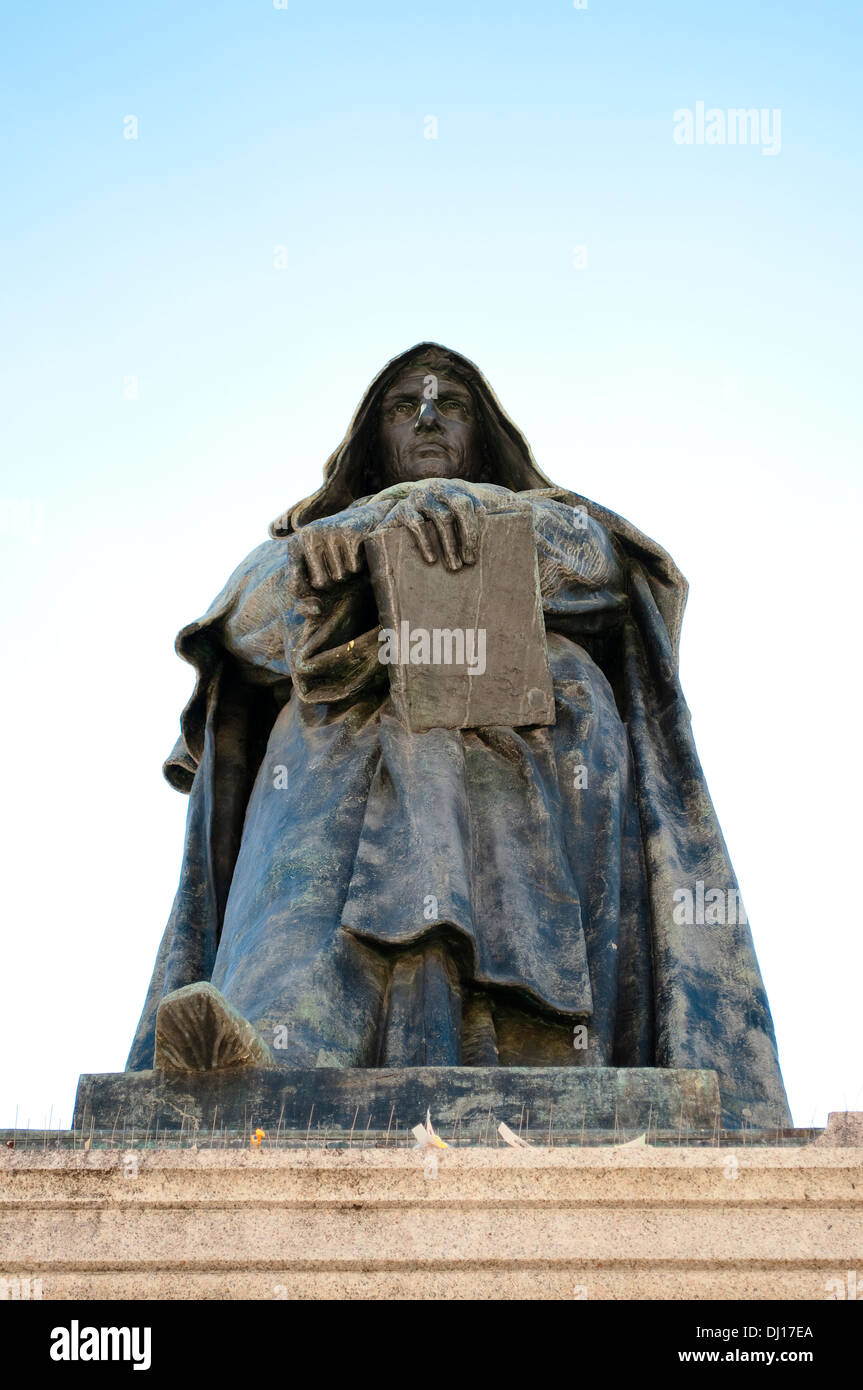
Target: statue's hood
(348, 472)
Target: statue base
(166, 1222)
(542, 1101)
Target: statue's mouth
(430, 450)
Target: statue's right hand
(332, 546)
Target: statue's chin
(432, 466)
(435, 468)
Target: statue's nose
(428, 417)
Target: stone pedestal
(744, 1222)
(548, 1101)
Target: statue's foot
(198, 1030)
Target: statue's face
(428, 429)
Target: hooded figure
(368, 896)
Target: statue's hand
(332, 546)
(442, 515)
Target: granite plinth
(563, 1223)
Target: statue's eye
(404, 408)
(450, 405)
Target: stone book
(464, 648)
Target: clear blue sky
(700, 375)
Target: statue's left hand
(442, 515)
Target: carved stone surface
(557, 1223)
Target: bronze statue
(356, 892)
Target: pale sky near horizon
(191, 316)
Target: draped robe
(320, 828)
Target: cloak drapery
(309, 845)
